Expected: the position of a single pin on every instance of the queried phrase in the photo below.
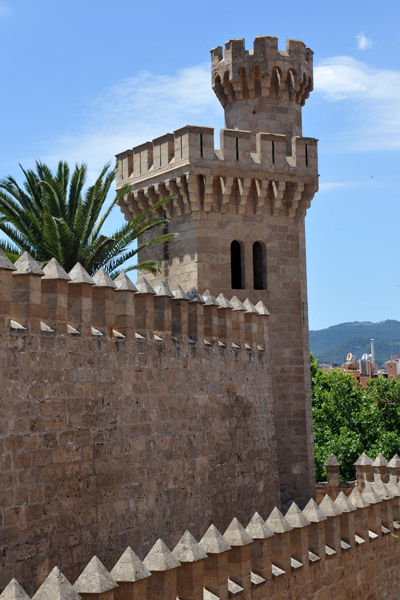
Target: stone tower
(239, 212)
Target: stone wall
(345, 549)
(111, 437)
(201, 257)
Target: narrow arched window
(237, 264)
(259, 266)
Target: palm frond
(51, 215)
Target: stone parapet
(323, 551)
(241, 73)
(52, 301)
(234, 179)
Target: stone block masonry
(345, 549)
(252, 191)
(126, 414)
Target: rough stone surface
(370, 495)
(212, 541)
(95, 579)
(79, 275)
(357, 499)
(102, 279)
(5, 262)
(295, 517)
(188, 550)
(129, 568)
(380, 461)
(13, 592)
(258, 528)
(160, 558)
(124, 283)
(313, 513)
(277, 522)
(236, 535)
(94, 429)
(163, 290)
(394, 461)
(56, 587)
(144, 286)
(329, 508)
(26, 265)
(332, 461)
(53, 270)
(363, 460)
(344, 504)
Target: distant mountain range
(333, 344)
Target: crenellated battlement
(325, 550)
(231, 179)
(265, 71)
(50, 301)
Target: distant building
(362, 370)
(365, 368)
(393, 366)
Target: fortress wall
(206, 259)
(342, 550)
(108, 441)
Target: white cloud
(328, 186)
(363, 42)
(138, 109)
(372, 97)
(4, 9)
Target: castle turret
(263, 89)
(239, 211)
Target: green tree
(349, 419)
(52, 215)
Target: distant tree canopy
(349, 420)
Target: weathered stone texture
(289, 556)
(202, 258)
(109, 443)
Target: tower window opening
(201, 145)
(259, 266)
(306, 154)
(237, 148)
(237, 264)
(130, 164)
(181, 144)
(273, 152)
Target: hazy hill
(333, 344)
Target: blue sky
(85, 79)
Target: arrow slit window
(259, 266)
(237, 266)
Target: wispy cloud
(138, 109)
(363, 42)
(372, 97)
(4, 9)
(329, 186)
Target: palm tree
(52, 216)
